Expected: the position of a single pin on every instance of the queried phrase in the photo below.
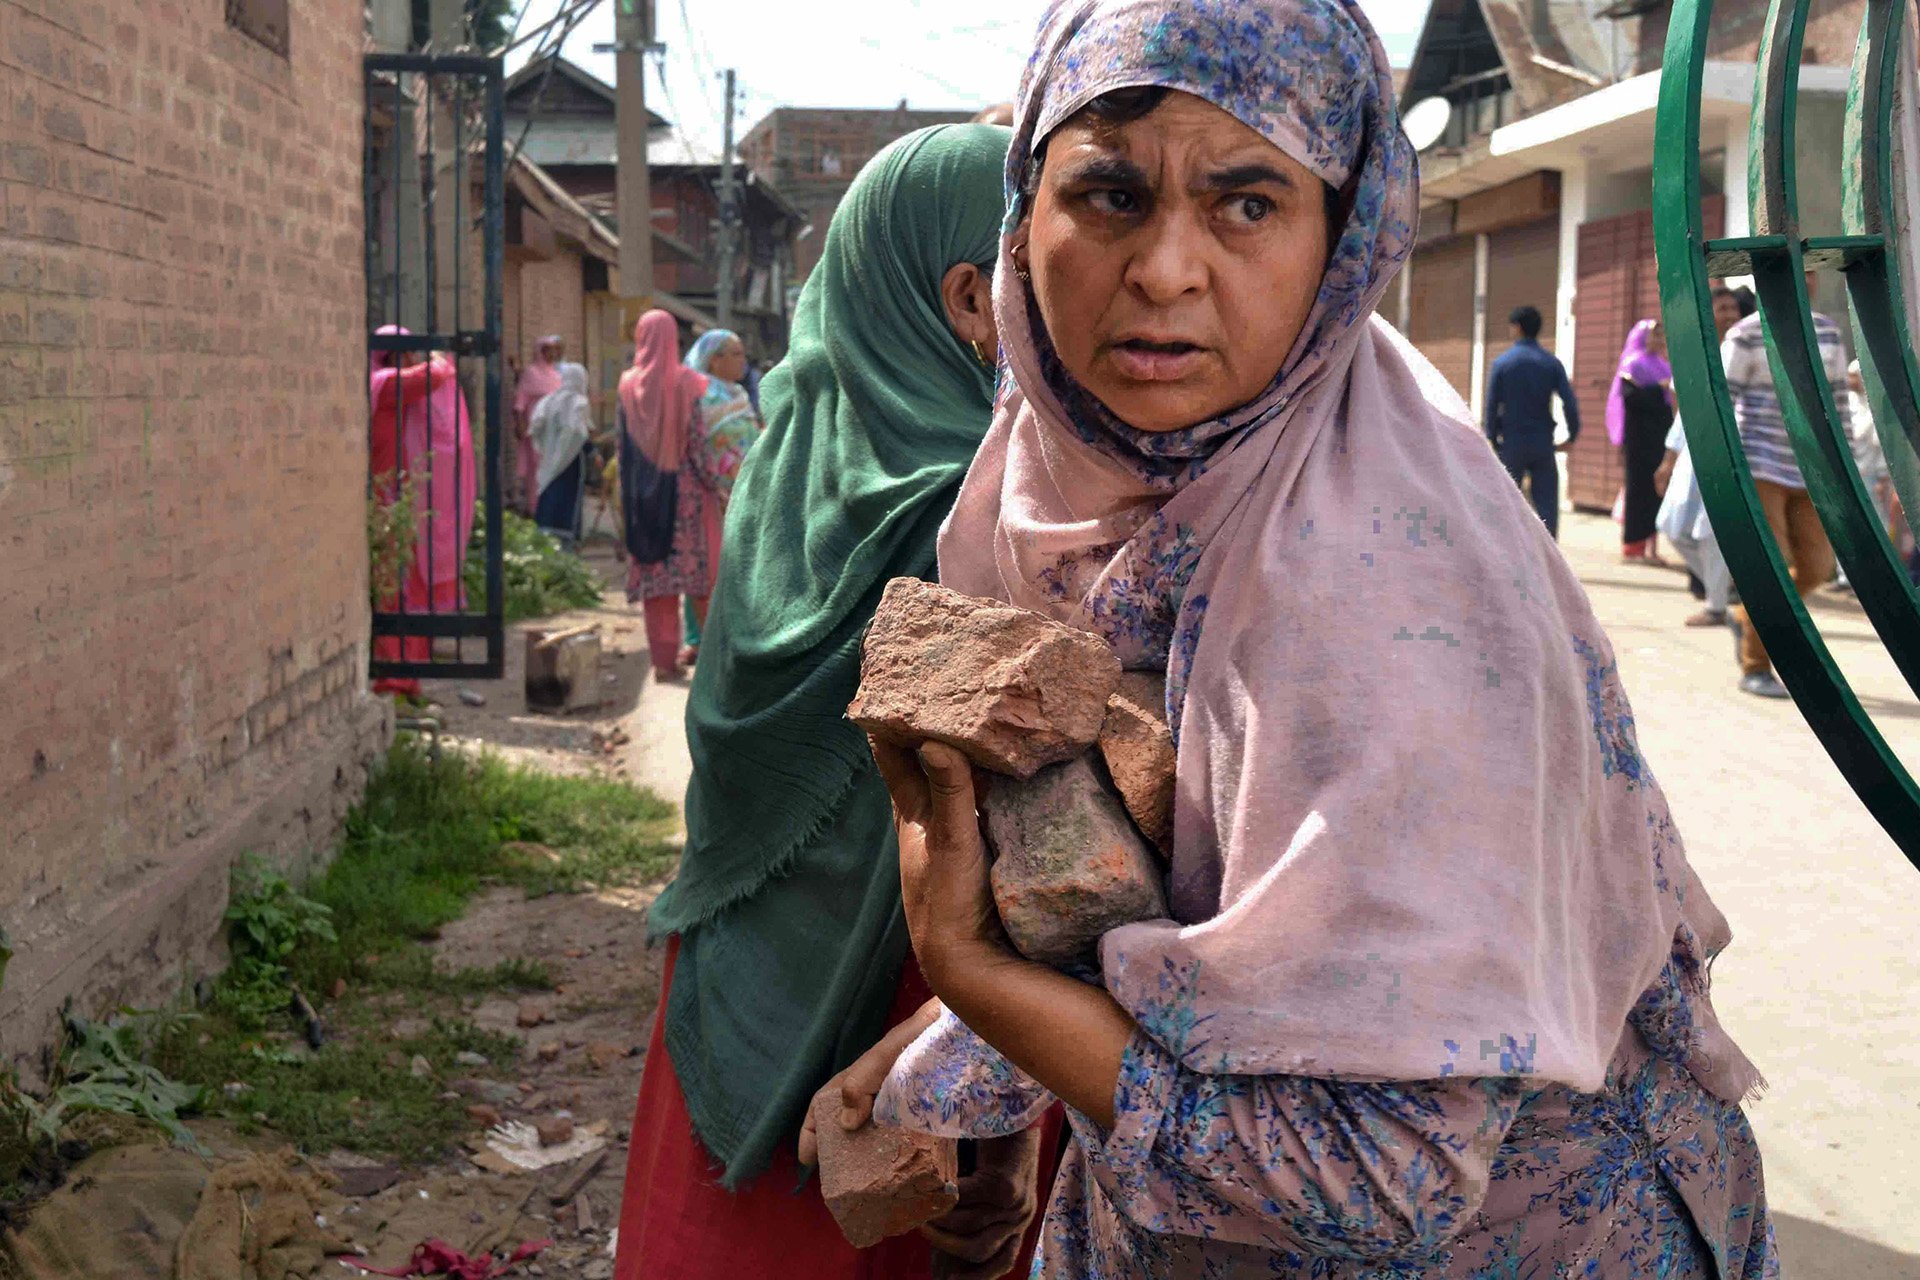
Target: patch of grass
(358, 1093)
(430, 834)
(412, 970)
(541, 577)
(426, 837)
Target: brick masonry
(182, 479)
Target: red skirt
(678, 1223)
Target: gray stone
(1068, 863)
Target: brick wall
(812, 154)
(182, 478)
(547, 298)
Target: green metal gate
(1777, 255)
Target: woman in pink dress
(421, 438)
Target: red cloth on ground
(678, 1223)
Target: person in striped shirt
(1776, 476)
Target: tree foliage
(488, 22)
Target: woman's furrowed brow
(1254, 174)
(1115, 169)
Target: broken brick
(554, 1131)
(1068, 863)
(483, 1115)
(601, 1055)
(1138, 749)
(1013, 690)
(880, 1182)
(531, 1014)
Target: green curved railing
(1777, 255)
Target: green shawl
(787, 902)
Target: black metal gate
(434, 263)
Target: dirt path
(583, 1044)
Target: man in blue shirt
(1519, 417)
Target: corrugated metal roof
(573, 140)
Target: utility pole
(729, 218)
(633, 38)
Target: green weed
(103, 1068)
(540, 576)
(268, 923)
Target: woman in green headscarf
(788, 952)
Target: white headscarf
(561, 423)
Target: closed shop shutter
(1441, 314)
(1618, 287)
(1523, 270)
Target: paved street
(1819, 984)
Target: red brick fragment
(881, 1182)
(1138, 749)
(1013, 690)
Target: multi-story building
(813, 153)
(1539, 187)
(563, 118)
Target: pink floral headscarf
(1414, 834)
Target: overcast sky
(848, 53)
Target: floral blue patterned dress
(1482, 1179)
(1431, 1000)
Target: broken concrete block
(1068, 864)
(881, 1182)
(1013, 690)
(1138, 749)
(563, 669)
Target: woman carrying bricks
(1433, 997)
(787, 951)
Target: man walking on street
(1776, 476)
(1519, 416)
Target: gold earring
(980, 353)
